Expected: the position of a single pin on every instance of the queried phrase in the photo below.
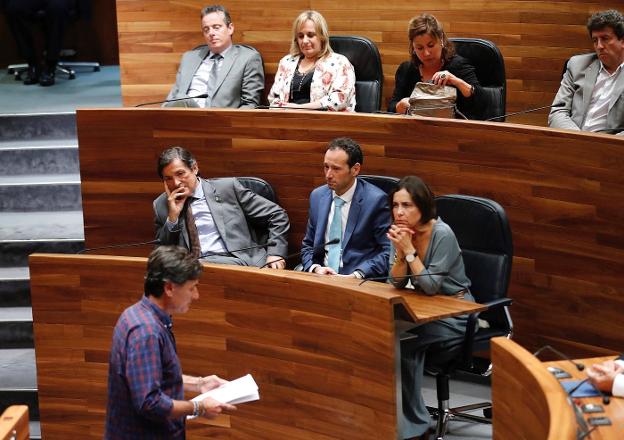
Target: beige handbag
(428, 99)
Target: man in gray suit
(216, 219)
(230, 74)
(591, 95)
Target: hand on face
(176, 199)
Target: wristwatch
(410, 257)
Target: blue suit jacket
(365, 245)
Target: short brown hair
(603, 19)
(428, 24)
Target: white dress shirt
(199, 83)
(596, 119)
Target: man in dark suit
(214, 218)
(350, 211)
(232, 75)
(591, 95)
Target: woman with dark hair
(426, 257)
(433, 59)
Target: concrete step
(51, 157)
(16, 327)
(40, 126)
(29, 193)
(14, 287)
(14, 253)
(41, 225)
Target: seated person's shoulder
(373, 190)
(581, 62)
(246, 51)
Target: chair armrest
(471, 327)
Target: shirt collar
(348, 195)
(160, 313)
(199, 190)
(222, 53)
(615, 72)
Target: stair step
(37, 126)
(14, 292)
(41, 225)
(14, 253)
(16, 327)
(18, 369)
(56, 195)
(29, 159)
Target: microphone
(269, 107)
(228, 253)
(330, 242)
(577, 365)
(386, 278)
(116, 246)
(522, 112)
(203, 95)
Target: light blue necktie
(335, 231)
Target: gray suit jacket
(238, 213)
(572, 100)
(240, 82)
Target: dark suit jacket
(407, 75)
(237, 213)
(240, 80)
(572, 100)
(365, 245)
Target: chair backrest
(259, 186)
(489, 65)
(364, 56)
(484, 235)
(385, 183)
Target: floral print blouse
(333, 82)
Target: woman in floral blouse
(312, 75)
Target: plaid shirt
(144, 376)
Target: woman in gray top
(425, 257)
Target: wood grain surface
(563, 193)
(321, 349)
(14, 423)
(535, 38)
(528, 402)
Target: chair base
(62, 67)
(444, 415)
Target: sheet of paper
(241, 390)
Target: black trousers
(23, 14)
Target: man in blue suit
(349, 212)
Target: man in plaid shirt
(145, 381)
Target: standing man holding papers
(145, 381)
(231, 74)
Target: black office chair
(364, 56)
(490, 70)
(385, 183)
(260, 187)
(484, 236)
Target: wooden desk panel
(563, 192)
(530, 403)
(321, 349)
